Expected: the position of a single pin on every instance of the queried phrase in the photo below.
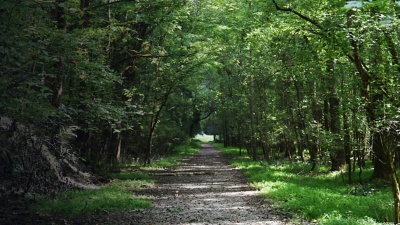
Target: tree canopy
(95, 83)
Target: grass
(118, 195)
(178, 153)
(320, 196)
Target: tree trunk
(252, 118)
(389, 149)
(153, 123)
(86, 15)
(302, 139)
(225, 133)
(55, 82)
(252, 111)
(115, 148)
(317, 116)
(240, 139)
(371, 103)
(336, 151)
(347, 144)
(149, 147)
(266, 151)
(396, 194)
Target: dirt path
(205, 190)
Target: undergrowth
(321, 196)
(118, 195)
(177, 153)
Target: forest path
(204, 190)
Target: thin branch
(313, 22)
(324, 32)
(206, 116)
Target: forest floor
(203, 190)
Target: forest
(89, 85)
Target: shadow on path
(204, 190)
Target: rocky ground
(204, 190)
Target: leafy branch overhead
(90, 85)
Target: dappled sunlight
(206, 190)
(320, 194)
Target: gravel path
(205, 190)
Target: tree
(86, 76)
(372, 64)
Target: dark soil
(204, 190)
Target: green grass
(320, 196)
(116, 196)
(178, 153)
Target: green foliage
(116, 196)
(109, 71)
(195, 143)
(135, 80)
(177, 153)
(321, 195)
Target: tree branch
(324, 32)
(206, 116)
(313, 22)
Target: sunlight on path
(205, 190)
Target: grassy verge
(118, 195)
(320, 196)
(178, 153)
